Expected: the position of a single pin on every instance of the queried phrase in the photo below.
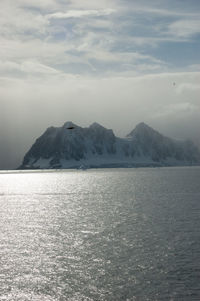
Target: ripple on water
(111, 235)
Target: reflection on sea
(121, 234)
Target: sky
(116, 62)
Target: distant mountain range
(72, 146)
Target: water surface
(110, 234)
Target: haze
(114, 62)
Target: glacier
(72, 146)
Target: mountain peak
(69, 124)
(142, 128)
(98, 128)
(96, 125)
(142, 125)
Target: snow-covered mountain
(72, 146)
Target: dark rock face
(96, 146)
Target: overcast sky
(117, 62)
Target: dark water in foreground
(115, 234)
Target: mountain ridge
(72, 146)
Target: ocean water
(107, 234)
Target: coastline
(52, 170)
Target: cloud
(80, 13)
(163, 12)
(28, 67)
(15, 21)
(91, 4)
(194, 67)
(185, 28)
(184, 87)
(102, 37)
(117, 102)
(177, 109)
(34, 48)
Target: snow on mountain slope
(160, 148)
(72, 146)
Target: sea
(100, 234)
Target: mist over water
(121, 234)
